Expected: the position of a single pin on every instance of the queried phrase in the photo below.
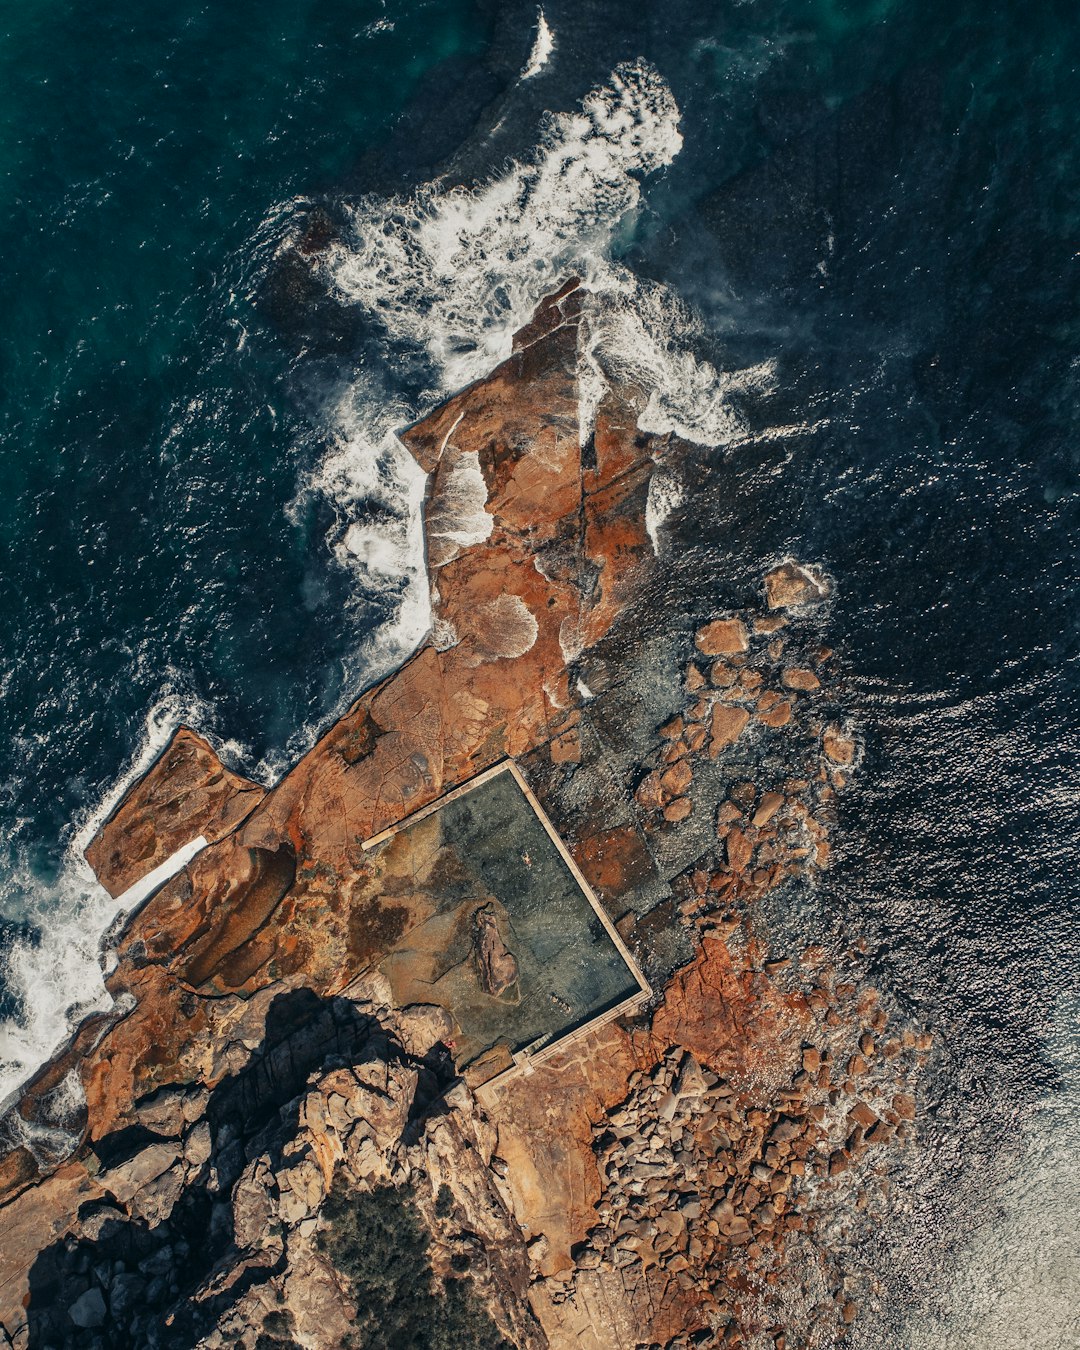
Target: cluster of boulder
(743, 675)
(705, 1180)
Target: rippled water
(868, 214)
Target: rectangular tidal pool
(478, 908)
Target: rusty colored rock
(678, 809)
(186, 793)
(838, 745)
(801, 678)
(791, 585)
(722, 637)
(770, 803)
(726, 726)
(677, 779)
(739, 850)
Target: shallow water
(869, 212)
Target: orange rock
(779, 716)
(721, 675)
(792, 584)
(770, 803)
(678, 809)
(695, 738)
(727, 726)
(650, 793)
(799, 677)
(739, 849)
(838, 745)
(677, 779)
(904, 1106)
(862, 1114)
(722, 637)
(186, 792)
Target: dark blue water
(881, 199)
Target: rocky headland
(700, 1174)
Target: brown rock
(778, 716)
(672, 730)
(726, 727)
(722, 637)
(739, 850)
(861, 1114)
(838, 745)
(728, 812)
(904, 1106)
(695, 738)
(798, 677)
(650, 793)
(721, 675)
(792, 584)
(770, 803)
(678, 810)
(677, 779)
(186, 793)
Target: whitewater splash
(450, 274)
(58, 978)
(542, 48)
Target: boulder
(124, 1180)
(838, 745)
(678, 809)
(88, 1310)
(726, 727)
(739, 850)
(800, 678)
(155, 1201)
(421, 1027)
(792, 584)
(722, 637)
(770, 803)
(677, 779)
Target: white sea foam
(665, 495)
(58, 977)
(457, 517)
(458, 270)
(453, 273)
(541, 49)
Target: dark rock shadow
(128, 1283)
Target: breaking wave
(449, 274)
(56, 978)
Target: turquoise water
(879, 199)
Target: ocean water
(836, 243)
